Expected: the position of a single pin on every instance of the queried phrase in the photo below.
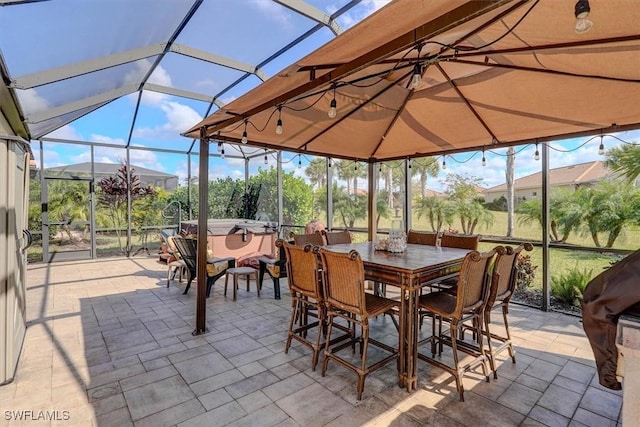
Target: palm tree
(510, 196)
(317, 172)
(438, 211)
(426, 166)
(624, 159)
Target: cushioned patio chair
(216, 267)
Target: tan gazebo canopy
(493, 73)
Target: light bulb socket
(582, 9)
(332, 108)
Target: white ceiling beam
(217, 59)
(99, 99)
(303, 8)
(61, 73)
(182, 93)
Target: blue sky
(265, 27)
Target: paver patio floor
(109, 345)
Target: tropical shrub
(568, 288)
(525, 273)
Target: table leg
(412, 339)
(402, 353)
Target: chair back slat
(473, 282)
(422, 237)
(188, 251)
(343, 275)
(308, 239)
(504, 273)
(302, 270)
(336, 237)
(462, 241)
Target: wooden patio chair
(343, 275)
(467, 304)
(276, 268)
(336, 237)
(216, 267)
(462, 241)
(175, 264)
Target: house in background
(530, 186)
(103, 170)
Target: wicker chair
(468, 303)
(336, 237)
(503, 283)
(422, 237)
(276, 268)
(309, 239)
(343, 275)
(216, 267)
(306, 294)
(462, 241)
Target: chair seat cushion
(441, 303)
(216, 267)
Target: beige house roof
(583, 173)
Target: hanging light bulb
(279, 123)
(299, 161)
(219, 146)
(222, 153)
(416, 78)
(266, 160)
(379, 167)
(409, 164)
(444, 163)
(330, 162)
(582, 10)
(484, 159)
(332, 107)
(601, 147)
(244, 134)
(537, 153)
(355, 166)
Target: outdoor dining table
(417, 266)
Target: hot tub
(238, 238)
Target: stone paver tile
(548, 417)
(251, 384)
(219, 416)
(477, 408)
(215, 398)
(202, 367)
(560, 400)
(173, 415)
(253, 401)
(147, 378)
(109, 404)
(591, 419)
(570, 384)
(578, 372)
(104, 391)
(250, 356)
(602, 402)
(115, 375)
(269, 415)
(519, 398)
(251, 369)
(236, 346)
(119, 417)
(217, 381)
(313, 406)
(543, 370)
(152, 398)
(532, 382)
(287, 386)
(191, 353)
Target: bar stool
(237, 272)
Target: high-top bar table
(417, 266)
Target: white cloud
(274, 12)
(179, 118)
(366, 8)
(66, 132)
(31, 101)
